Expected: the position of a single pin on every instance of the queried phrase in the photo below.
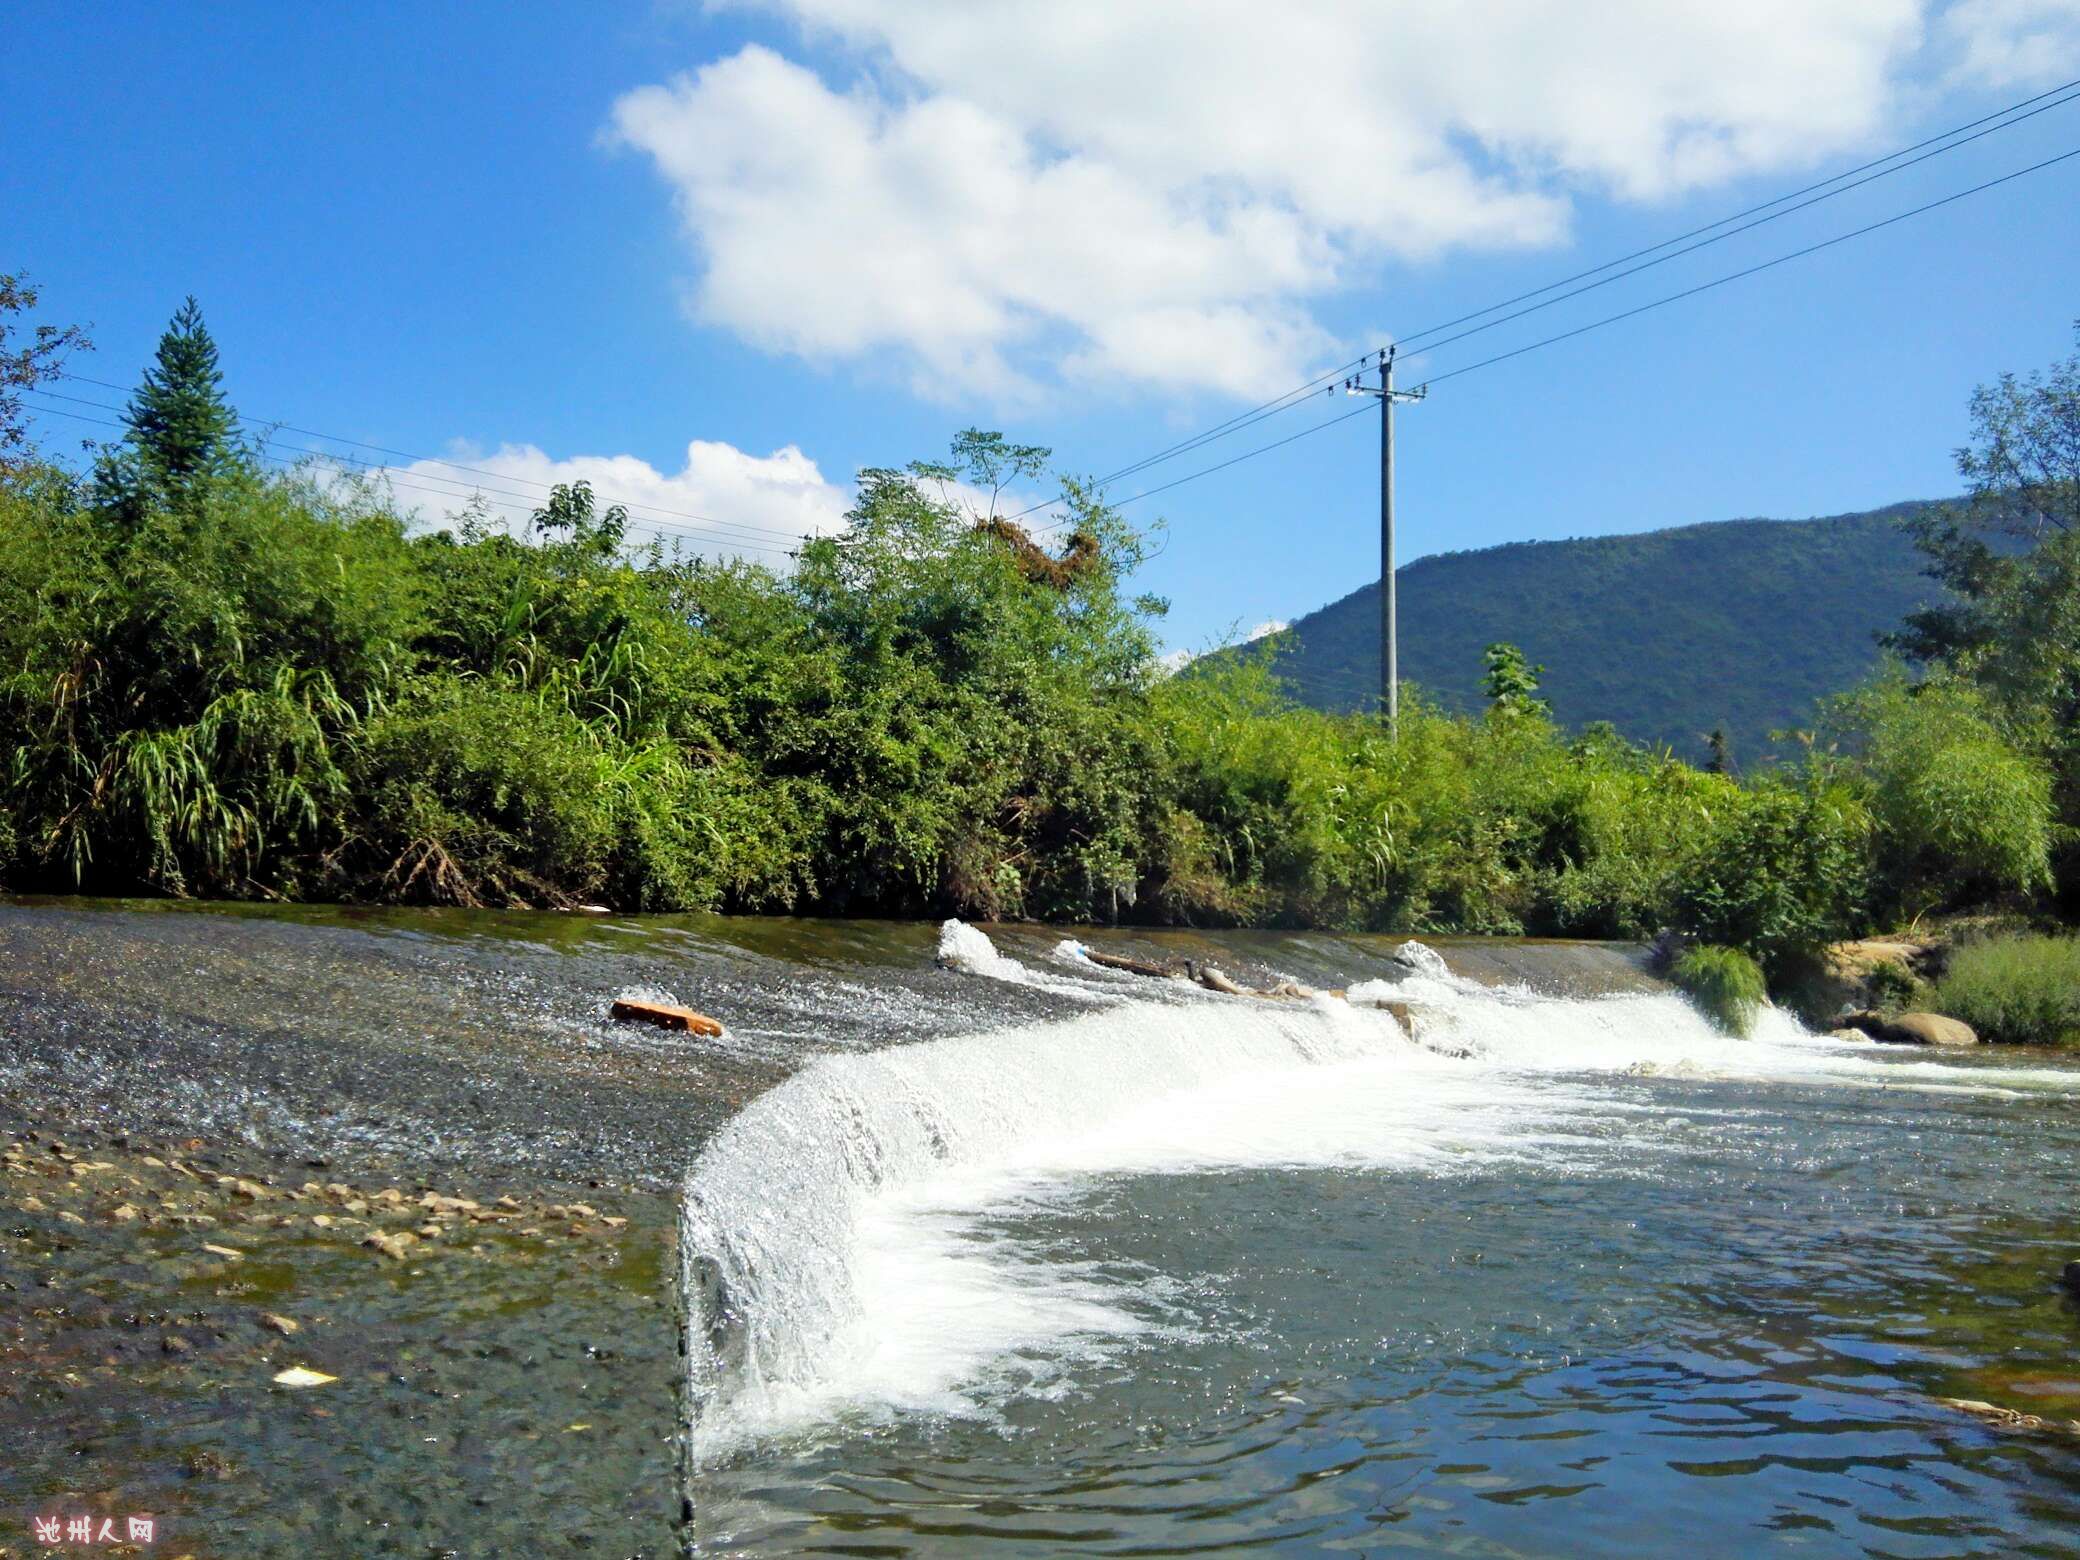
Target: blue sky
(815, 235)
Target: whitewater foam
(844, 1242)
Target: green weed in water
(1725, 984)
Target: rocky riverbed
(408, 1152)
(499, 1364)
(405, 1151)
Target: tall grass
(2017, 990)
(1725, 983)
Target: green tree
(182, 434)
(1782, 870)
(1511, 681)
(1961, 814)
(2009, 553)
(27, 365)
(1719, 752)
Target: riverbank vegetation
(220, 680)
(2019, 989)
(1725, 984)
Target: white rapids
(836, 1257)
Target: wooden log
(628, 1010)
(1114, 961)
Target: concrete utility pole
(1389, 626)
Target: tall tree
(182, 434)
(1511, 681)
(2010, 554)
(24, 367)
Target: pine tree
(183, 434)
(1719, 752)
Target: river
(986, 1250)
(1555, 1276)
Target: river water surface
(992, 1251)
(1176, 1274)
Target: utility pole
(1389, 625)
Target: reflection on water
(1606, 1285)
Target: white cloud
(1266, 629)
(1008, 197)
(2013, 43)
(723, 501)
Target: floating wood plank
(628, 1010)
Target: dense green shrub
(1960, 812)
(1891, 984)
(1782, 870)
(1725, 983)
(216, 681)
(2019, 990)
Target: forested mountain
(1666, 634)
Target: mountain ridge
(1742, 624)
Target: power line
(1688, 292)
(1734, 276)
(1946, 141)
(1875, 162)
(1718, 238)
(1241, 420)
(1238, 459)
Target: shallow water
(1556, 1277)
(1025, 1256)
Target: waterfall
(837, 1255)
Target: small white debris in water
(299, 1376)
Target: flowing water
(1171, 1273)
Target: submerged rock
(1912, 1028)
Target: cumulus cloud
(2013, 43)
(1014, 197)
(721, 502)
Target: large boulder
(1821, 985)
(1912, 1028)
